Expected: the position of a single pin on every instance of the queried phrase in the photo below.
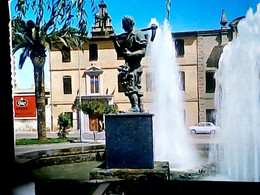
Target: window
(150, 82)
(94, 81)
(94, 84)
(179, 46)
(67, 89)
(208, 125)
(182, 80)
(93, 52)
(211, 115)
(46, 101)
(65, 52)
(201, 124)
(210, 82)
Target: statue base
(160, 171)
(129, 141)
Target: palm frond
(69, 37)
(21, 35)
(33, 35)
(23, 56)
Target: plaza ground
(88, 140)
(88, 136)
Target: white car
(204, 127)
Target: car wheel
(193, 131)
(212, 132)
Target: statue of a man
(132, 48)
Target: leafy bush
(64, 121)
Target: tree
(96, 108)
(50, 26)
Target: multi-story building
(209, 50)
(186, 47)
(92, 74)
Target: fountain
(237, 153)
(237, 102)
(171, 141)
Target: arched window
(67, 87)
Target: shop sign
(24, 106)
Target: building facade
(209, 49)
(93, 74)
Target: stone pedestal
(129, 141)
(160, 171)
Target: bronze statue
(132, 48)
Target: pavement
(85, 135)
(87, 140)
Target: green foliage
(97, 107)
(47, 141)
(64, 121)
(59, 12)
(50, 25)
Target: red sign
(24, 106)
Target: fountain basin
(69, 171)
(160, 171)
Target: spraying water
(171, 141)
(237, 103)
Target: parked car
(204, 127)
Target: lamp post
(79, 111)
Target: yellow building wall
(108, 62)
(190, 49)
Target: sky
(185, 15)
